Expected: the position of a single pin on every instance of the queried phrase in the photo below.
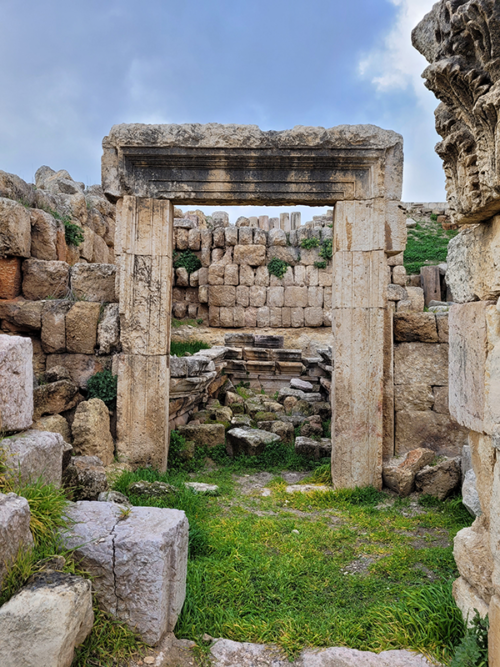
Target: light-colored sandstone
(14, 530)
(468, 601)
(15, 229)
(222, 296)
(16, 383)
(94, 282)
(33, 455)
(483, 457)
(414, 397)
(54, 326)
(44, 230)
(416, 297)
(254, 255)
(421, 363)
(369, 225)
(81, 327)
(428, 429)
(45, 279)
(54, 424)
(108, 329)
(472, 553)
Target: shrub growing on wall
(103, 385)
(326, 251)
(187, 260)
(277, 267)
(307, 244)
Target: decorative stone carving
(461, 41)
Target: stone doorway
(148, 169)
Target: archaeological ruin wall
(460, 41)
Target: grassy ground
(356, 568)
(427, 244)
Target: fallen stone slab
(439, 480)
(204, 489)
(33, 455)
(299, 395)
(152, 489)
(138, 561)
(16, 383)
(314, 449)
(307, 488)
(248, 441)
(227, 653)
(14, 529)
(204, 435)
(399, 476)
(55, 397)
(302, 385)
(43, 623)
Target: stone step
(276, 342)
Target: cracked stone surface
(139, 561)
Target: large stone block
(421, 363)
(35, 454)
(473, 270)
(54, 326)
(483, 456)
(45, 279)
(429, 429)
(472, 553)
(81, 367)
(23, 315)
(16, 383)
(204, 435)
(296, 297)
(415, 327)
(148, 598)
(44, 623)
(359, 279)
(377, 224)
(94, 282)
(414, 397)
(144, 227)
(108, 329)
(81, 327)
(54, 398)
(222, 296)
(357, 402)
(15, 229)
(254, 255)
(145, 297)
(44, 235)
(275, 297)
(258, 296)
(54, 424)
(91, 433)
(14, 530)
(468, 600)
(143, 416)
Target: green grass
(251, 578)
(427, 244)
(180, 349)
(190, 322)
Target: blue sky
(70, 70)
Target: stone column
(364, 233)
(144, 241)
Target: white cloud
(396, 64)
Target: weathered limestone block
(54, 398)
(377, 224)
(439, 480)
(91, 433)
(396, 293)
(313, 317)
(14, 530)
(44, 230)
(441, 400)
(143, 417)
(275, 318)
(248, 442)
(421, 363)
(415, 327)
(45, 279)
(204, 435)
(472, 553)
(44, 623)
(262, 276)
(100, 253)
(275, 297)
(473, 271)
(443, 327)
(108, 329)
(358, 341)
(258, 296)
(148, 599)
(85, 477)
(144, 227)
(414, 397)
(429, 429)
(245, 236)
(181, 277)
(468, 600)
(54, 424)
(470, 496)
(81, 327)
(231, 274)
(94, 282)
(86, 249)
(314, 449)
(54, 326)
(475, 366)
(16, 383)
(288, 254)
(277, 237)
(222, 295)
(483, 458)
(296, 297)
(15, 229)
(22, 315)
(13, 187)
(254, 255)
(35, 454)
(359, 279)
(226, 316)
(416, 297)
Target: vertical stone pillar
(285, 222)
(295, 220)
(144, 242)
(364, 232)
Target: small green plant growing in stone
(187, 260)
(103, 385)
(326, 251)
(124, 513)
(72, 233)
(473, 650)
(277, 267)
(320, 265)
(307, 244)
(434, 217)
